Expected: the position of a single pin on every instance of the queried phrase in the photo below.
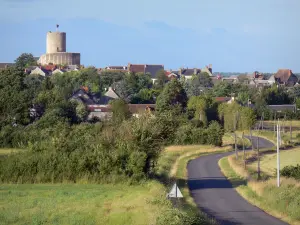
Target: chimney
(180, 71)
(128, 67)
(195, 71)
(210, 67)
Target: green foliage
(25, 60)
(189, 134)
(120, 110)
(172, 95)
(91, 151)
(177, 217)
(214, 134)
(291, 172)
(16, 97)
(198, 84)
(161, 79)
(243, 98)
(236, 117)
(129, 88)
(107, 78)
(199, 105)
(81, 111)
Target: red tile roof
(283, 74)
(136, 68)
(222, 99)
(50, 67)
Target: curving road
(214, 194)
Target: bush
(291, 171)
(184, 135)
(177, 217)
(215, 134)
(188, 134)
(91, 151)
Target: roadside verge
(280, 202)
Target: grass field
(294, 123)
(280, 202)
(287, 157)
(105, 204)
(82, 203)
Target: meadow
(86, 203)
(268, 162)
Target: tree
(120, 110)
(197, 85)
(236, 117)
(199, 105)
(243, 98)
(16, 97)
(25, 60)
(172, 95)
(81, 111)
(161, 79)
(129, 87)
(222, 89)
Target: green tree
(120, 110)
(222, 89)
(81, 111)
(172, 95)
(243, 98)
(16, 97)
(200, 106)
(215, 134)
(161, 79)
(25, 60)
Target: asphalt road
(214, 194)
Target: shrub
(291, 171)
(214, 134)
(184, 135)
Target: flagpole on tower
(57, 26)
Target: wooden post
(258, 160)
(291, 136)
(251, 140)
(244, 157)
(235, 146)
(262, 121)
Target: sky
(232, 35)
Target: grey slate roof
(189, 72)
(108, 96)
(153, 69)
(82, 96)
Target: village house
(40, 71)
(6, 65)
(286, 77)
(145, 69)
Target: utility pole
(278, 159)
(258, 159)
(262, 121)
(275, 123)
(235, 144)
(251, 139)
(291, 136)
(244, 156)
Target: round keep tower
(56, 42)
